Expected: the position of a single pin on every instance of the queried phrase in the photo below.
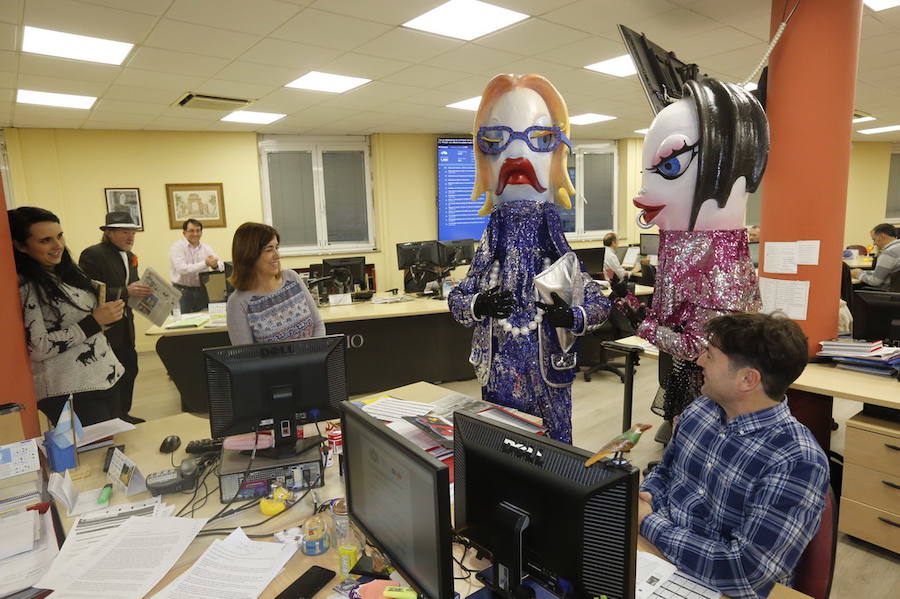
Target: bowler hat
(119, 220)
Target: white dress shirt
(611, 262)
(189, 261)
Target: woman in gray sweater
(269, 304)
(63, 321)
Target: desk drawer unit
(870, 504)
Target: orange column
(811, 86)
(15, 366)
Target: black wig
(734, 140)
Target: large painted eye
(675, 164)
(492, 140)
(542, 140)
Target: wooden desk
(142, 447)
(420, 336)
(863, 262)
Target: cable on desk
(208, 466)
(243, 478)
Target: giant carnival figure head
(702, 155)
(521, 142)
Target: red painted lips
(650, 212)
(518, 171)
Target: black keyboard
(202, 446)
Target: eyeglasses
(493, 140)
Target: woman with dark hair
(63, 321)
(268, 304)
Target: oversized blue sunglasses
(493, 140)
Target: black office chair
(216, 283)
(615, 327)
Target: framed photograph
(201, 201)
(125, 199)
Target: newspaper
(158, 305)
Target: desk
(863, 262)
(142, 447)
(420, 337)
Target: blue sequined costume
(519, 371)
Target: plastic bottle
(348, 546)
(315, 536)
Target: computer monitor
(277, 386)
(345, 273)
(530, 503)
(620, 252)
(754, 252)
(455, 253)
(417, 253)
(880, 313)
(399, 496)
(649, 244)
(592, 259)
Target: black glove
(559, 314)
(496, 303)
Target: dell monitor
(529, 503)
(592, 259)
(879, 316)
(276, 386)
(455, 253)
(345, 273)
(399, 497)
(649, 244)
(417, 253)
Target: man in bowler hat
(112, 262)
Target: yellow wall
(870, 164)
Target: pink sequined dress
(700, 275)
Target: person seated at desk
(741, 487)
(189, 257)
(753, 234)
(884, 236)
(268, 304)
(611, 260)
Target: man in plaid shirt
(741, 487)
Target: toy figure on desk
(702, 156)
(523, 349)
(618, 444)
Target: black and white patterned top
(69, 353)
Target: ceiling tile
(406, 44)
(330, 30)
(373, 95)
(533, 8)
(10, 11)
(61, 86)
(234, 89)
(473, 59)
(88, 19)
(8, 39)
(169, 61)
(601, 16)
(198, 39)
(531, 36)
(33, 114)
(288, 101)
(9, 61)
(361, 65)
(107, 105)
(408, 109)
(257, 73)
(141, 94)
(442, 97)
(150, 7)
(63, 68)
(113, 120)
(231, 126)
(283, 53)
(710, 43)
(5, 114)
(152, 79)
(259, 16)
(7, 95)
(739, 62)
(169, 123)
(425, 76)
(585, 51)
(871, 26)
(194, 114)
(8, 79)
(390, 12)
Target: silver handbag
(564, 278)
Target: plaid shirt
(736, 502)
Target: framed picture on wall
(201, 201)
(125, 199)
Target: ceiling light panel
(863, 119)
(27, 96)
(589, 118)
(465, 19)
(878, 5)
(470, 104)
(76, 47)
(642, 131)
(256, 118)
(879, 130)
(327, 82)
(620, 66)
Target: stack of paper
(22, 570)
(390, 408)
(863, 356)
(242, 566)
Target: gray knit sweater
(69, 354)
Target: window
(892, 212)
(592, 168)
(317, 193)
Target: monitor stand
(538, 590)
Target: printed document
(158, 305)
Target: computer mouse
(170, 444)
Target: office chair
(814, 571)
(895, 281)
(615, 327)
(861, 249)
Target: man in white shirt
(190, 257)
(611, 260)
(884, 236)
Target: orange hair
(559, 177)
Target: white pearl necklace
(531, 325)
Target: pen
(105, 493)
